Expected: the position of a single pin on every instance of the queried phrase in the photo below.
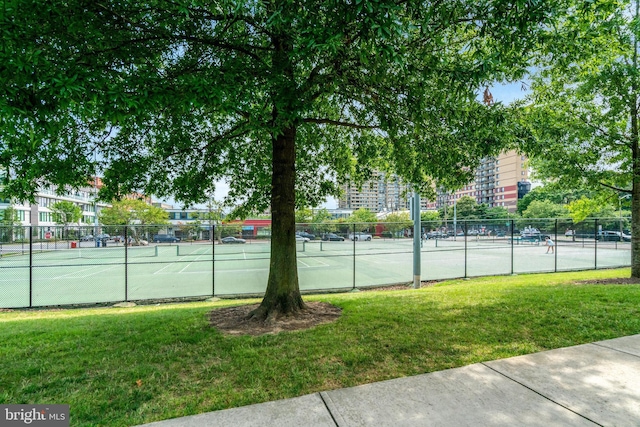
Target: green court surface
(95, 275)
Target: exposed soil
(233, 320)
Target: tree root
(269, 316)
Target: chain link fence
(48, 266)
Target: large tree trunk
(283, 293)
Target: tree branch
(612, 187)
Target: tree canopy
(584, 108)
(283, 99)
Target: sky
(505, 93)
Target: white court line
(322, 262)
(75, 272)
(303, 263)
(88, 275)
(238, 270)
(166, 266)
(187, 266)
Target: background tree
(65, 213)
(136, 215)
(545, 209)
(466, 208)
(304, 216)
(322, 223)
(552, 191)
(396, 222)
(9, 223)
(321, 215)
(608, 215)
(283, 99)
(584, 108)
(213, 218)
(363, 219)
(430, 220)
(497, 212)
(232, 228)
(191, 230)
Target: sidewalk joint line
(616, 349)
(541, 395)
(328, 409)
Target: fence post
(465, 247)
(512, 239)
(213, 260)
(126, 263)
(30, 266)
(354, 256)
(555, 251)
(595, 239)
(417, 232)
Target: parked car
(531, 233)
(332, 237)
(305, 234)
(436, 235)
(301, 239)
(103, 236)
(232, 240)
(165, 238)
(87, 238)
(360, 236)
(613, 236)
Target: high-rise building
(499, 181)
(380, 194)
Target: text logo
(34, 415)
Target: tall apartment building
(377, 195)
(499, 181)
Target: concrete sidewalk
(594, 384)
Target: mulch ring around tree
(234, 320)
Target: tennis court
(60, 276)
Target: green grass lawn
(119, 367)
